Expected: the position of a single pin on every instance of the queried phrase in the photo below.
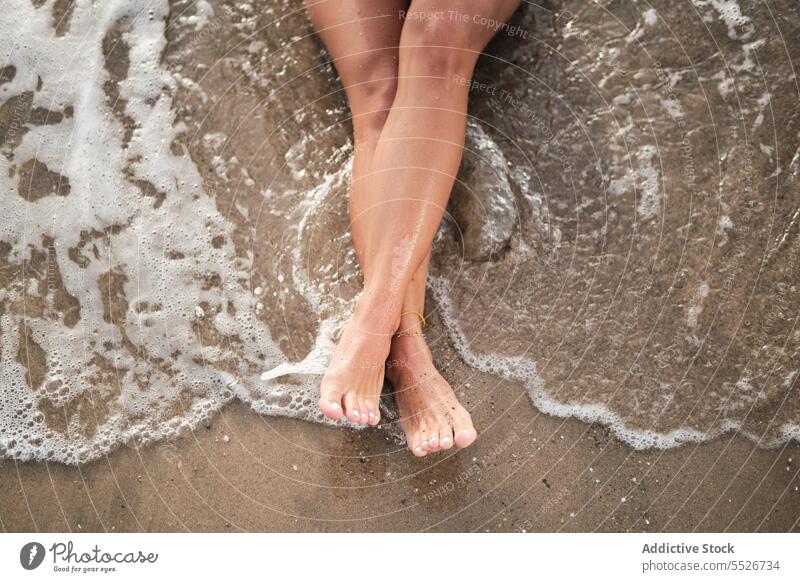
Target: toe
(331, 409)
(416, 447)
(465, 437)
(434, 442)
(330, 401)
(415, 444)
(463, 430)
(445, 437)
(373, 410)
(351, 408)
(409, 426)
(363, 411)
(424, 435)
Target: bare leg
(364, 42)
(413, 170)
(418, 153)
(363, 37)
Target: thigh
(362, 37)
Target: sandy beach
(282, 475)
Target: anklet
(408, 333)
(418, 314)
(422, 321)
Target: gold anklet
(422, 321)
(408, 333)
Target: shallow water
(623, 238)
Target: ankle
(381, 313)
(410, 348)
(412, 322)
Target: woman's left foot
(430, 414)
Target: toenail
(446, 441)
(335, 404)
(354, 414)
(418, 450)
(466, 434)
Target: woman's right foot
(353, 381)
(430, 414)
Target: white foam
(87, 149)
(731, 14)
(521, 369)
(696, 308)
(644, 181)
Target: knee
(439, 47)
(370, 107)
(371, 97)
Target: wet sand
(526, 472)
